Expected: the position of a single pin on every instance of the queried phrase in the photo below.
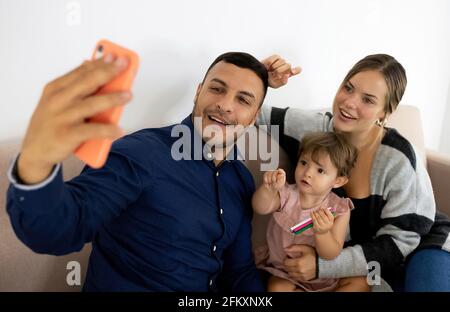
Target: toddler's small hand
(323, 220)
(274, 180)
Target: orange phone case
(95, 152)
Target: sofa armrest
(438, 166)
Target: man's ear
(340, 181)
(199, 88)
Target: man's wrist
(29, 173)
(18, 182)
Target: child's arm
(329, 233)
(266, 199)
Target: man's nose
(226, 104)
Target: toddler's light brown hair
(342, 153)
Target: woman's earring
(381, 123)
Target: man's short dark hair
(244, 60)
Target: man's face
(227, 100)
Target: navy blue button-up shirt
(156, 223)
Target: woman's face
(360, 102)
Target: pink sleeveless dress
(270, 257)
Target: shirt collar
(197, 144)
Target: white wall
(445, 141)
(177, 40)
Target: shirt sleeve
(287, 125)
(15, 180)
(284, 196)
(58, 218)
(344, 205)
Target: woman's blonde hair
(393, 72)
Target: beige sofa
(23, 270)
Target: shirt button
(22, 198)
(217, 173)
(214, 248)
(221, 211)
(210, 282)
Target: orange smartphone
(95, 152)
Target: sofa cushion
(20, 268)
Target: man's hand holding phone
(59, 123)
(94, 152)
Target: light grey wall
(445, 136)
(178, 39)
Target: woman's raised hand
(279, 70)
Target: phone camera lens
(99, 53)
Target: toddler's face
(316, 177)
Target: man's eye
(244, 101)
(347, 88)
(215, 89)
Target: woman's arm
(329, 243)
(266, 199)
(407, 213)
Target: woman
(394, 211)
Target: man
(155, 222)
